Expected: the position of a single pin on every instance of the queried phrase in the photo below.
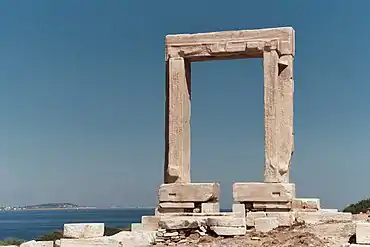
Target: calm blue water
(28, 225)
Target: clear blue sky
(82, 99)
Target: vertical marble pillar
(178, 98)
(278, 108)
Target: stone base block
(181, 222)
(263, 192)
(210, 207)
(363, 233)
(226, 221)
(189, 192)
(229, 231)
(150, 223)
(83, 230)
(266, 224)
(252, 216)
(306, 204)
(239, 210)
(283, 218)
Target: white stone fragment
(363, 233)
(266, 224)
(83, 230)
(46, 243)
(57, 243)
(127, 238)
(32, 243)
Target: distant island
(45, 206)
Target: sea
(28, 225)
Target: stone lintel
(230, 44)
(189, 192)
(263, 192)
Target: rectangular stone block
(363, 233)
(83, 230)
(330, 210)
(306, 203)
(229, 231)
(104, 242)
(177, 205)
(226, 221)
(135, 227)
(263, 192)
(210, 207)
(150, 223)
(31, 243)
(322, 217)
(252, 216)
(189, 192)
(238, 210)
(182, 222)
(283, 218)
(266, 224)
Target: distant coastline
(45, 206)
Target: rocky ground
(322, 235)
